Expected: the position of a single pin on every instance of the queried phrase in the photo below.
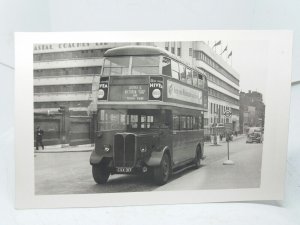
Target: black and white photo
(151, 117)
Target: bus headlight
(143, 149)
(107, 148)
(100, 93)
(156, 93)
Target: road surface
(70, 172)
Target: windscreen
(131, 119)
(131, 65)
(116, 66)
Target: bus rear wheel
(163, 171)
(100, 173)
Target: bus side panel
(185, 144)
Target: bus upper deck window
(205, 82)
(200, 80)
(195, 78)
(182, 72)
(176, 124)
(145, 65)
(116, 66)
(166, 66)
(189, 76)
(175, 69)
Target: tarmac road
(70, 172)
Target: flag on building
(225, 49)
(217, 43)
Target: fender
(156, 157)
(95, 158)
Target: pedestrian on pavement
(39, 138)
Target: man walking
(39, 138)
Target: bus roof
(139, 50)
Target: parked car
(255, 134)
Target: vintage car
(255, 134)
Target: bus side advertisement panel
(177, 92)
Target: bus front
(134, 119)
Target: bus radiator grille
(124, 150)
(129, 150)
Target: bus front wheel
(100, 173)
(163, 171)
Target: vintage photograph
(114, 117)
(150, 117)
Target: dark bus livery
(150, 114)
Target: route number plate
(124, 169)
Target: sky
(249, 60)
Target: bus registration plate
(124, 169)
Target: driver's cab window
(146, 121)
(132, 121)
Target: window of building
(179, 52)
(75, 71)
(63, 88)
(173, 50)
(66, 55)
(191, 52)
(167, 45)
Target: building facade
(252, 110)
(66, 75)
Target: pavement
(240, 136)
(66, 148)
(90, 147)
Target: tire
(197, 160)
(163, 171)
(100, 173)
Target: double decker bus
(150, 114)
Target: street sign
(227, 113)
(228, 127)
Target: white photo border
(277, 101)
